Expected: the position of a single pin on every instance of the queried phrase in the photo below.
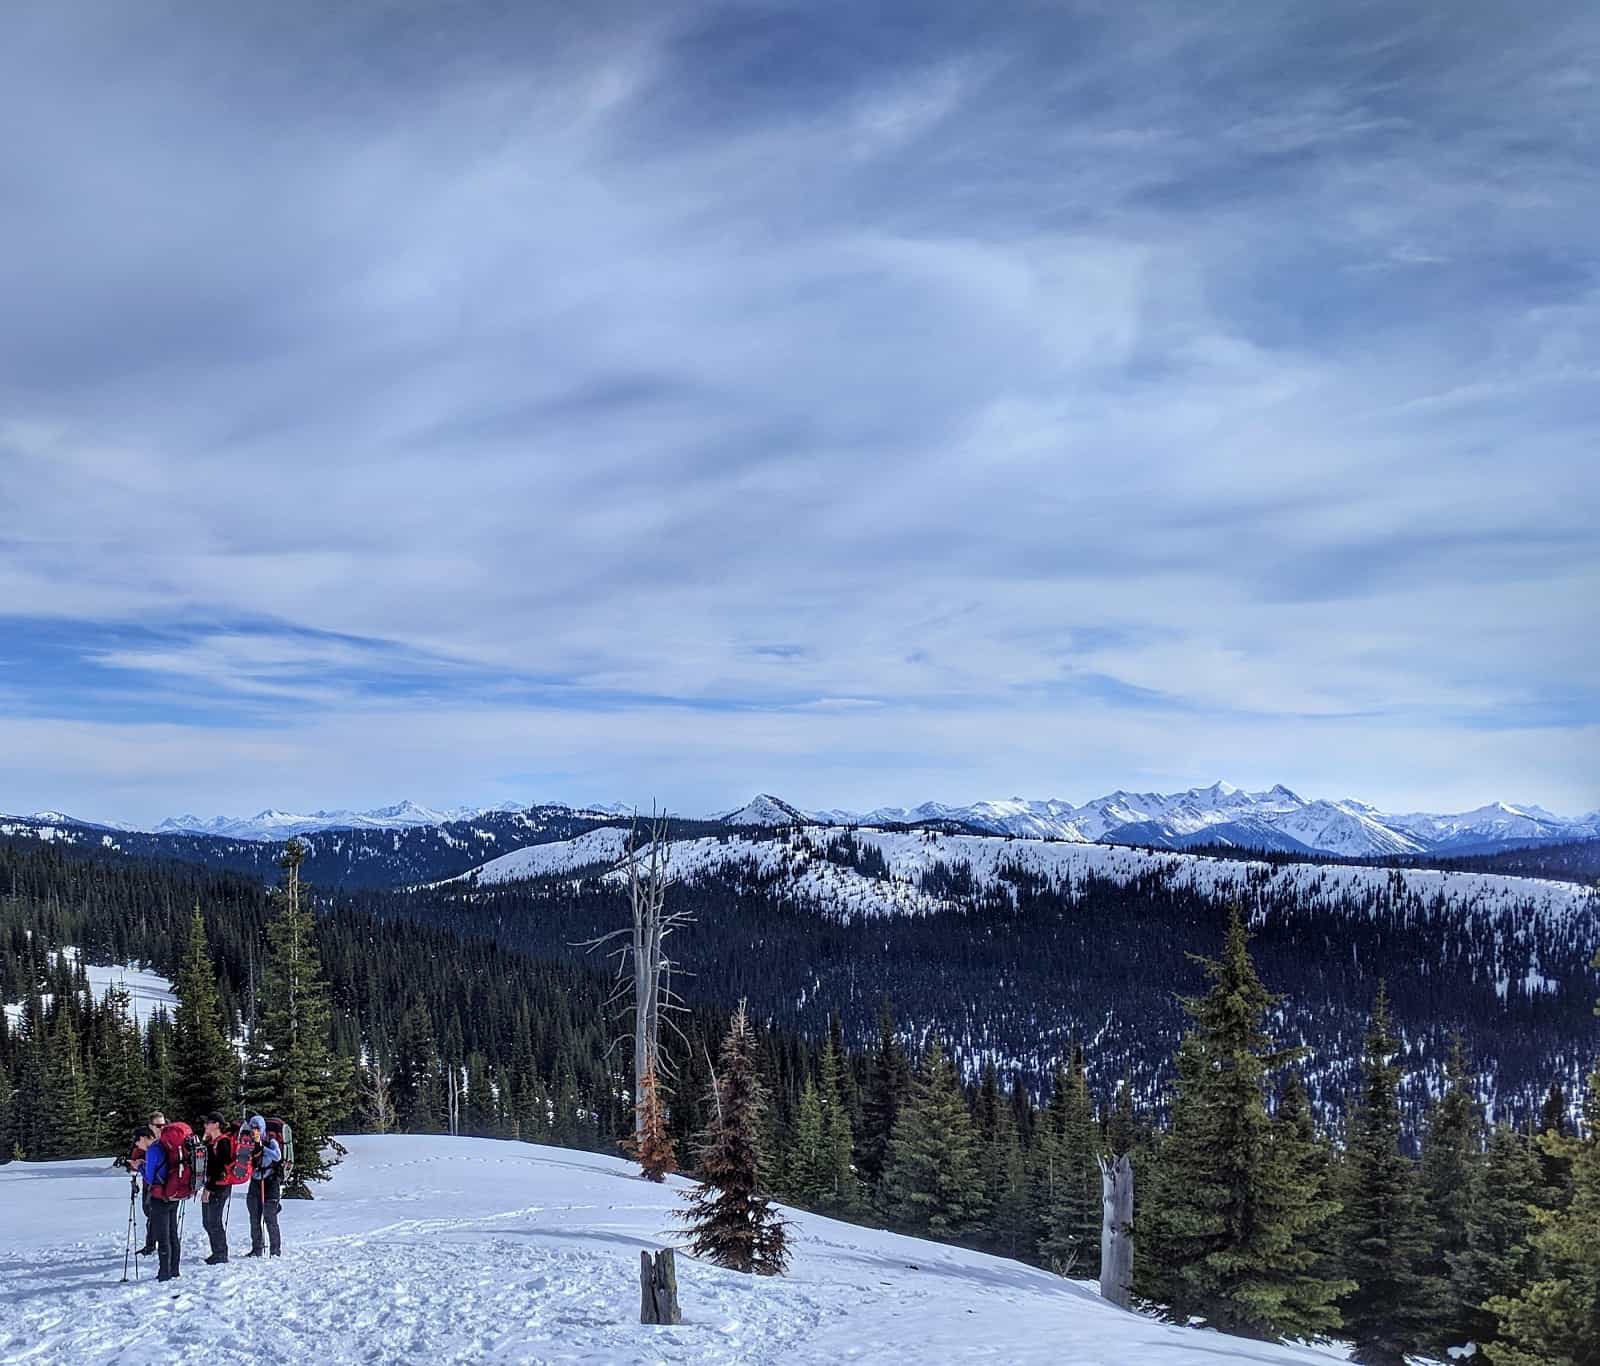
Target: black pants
(213, 1210)
(263, 1204)
(164, 1220)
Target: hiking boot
(164, 1276)
(255, 1252)
(148, 1250)
(276, 1253)
(215, 1260)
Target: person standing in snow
(266, 1190)
(163, 1226)
(157, 1123)
(217, 1192)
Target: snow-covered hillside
(147, 991)
(468, 1250)
(812, 872)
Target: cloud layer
(470, 401)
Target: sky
(864, 403)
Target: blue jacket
(155, 1165)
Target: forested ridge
(1016, 971)
(475, 1012)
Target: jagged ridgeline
(1013, 948)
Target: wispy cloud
(937, 403)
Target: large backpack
(280, 1130)
(244, 1158)
(178, 1145)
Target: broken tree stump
(1116, 1230)
(658, 1288)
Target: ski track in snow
(465, 1250)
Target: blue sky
(864, 403)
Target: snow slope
(807, 874)
(147, 991)
(464, 1250)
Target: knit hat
(258, 1124)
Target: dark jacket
(219, 1156)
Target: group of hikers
(176, 1164)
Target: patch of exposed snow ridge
(800, 860)
(428, 1248)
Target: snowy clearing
(458, 1249)
(147, 991)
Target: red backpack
(178, 1146)
(244, 1158)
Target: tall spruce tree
(1072, 1214)
(932, 1183)
(1555, 1320)
(418, 1084)
(1452, 1152)
(206, 1068)
(841, 1190)
(729, 1219)
(293, 1068)
(1230, 1231)
(1499, 1255)
(1005, 1183)
(1384, 1228)
(73, 1131)
(887, 1084)
(124, 1089)
(805, 1175)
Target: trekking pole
(127, 1249)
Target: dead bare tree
(644, 969)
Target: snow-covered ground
(466, 1250)
(909, 854)
(147, 991)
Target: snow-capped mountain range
(1276, 819)
(406, 815)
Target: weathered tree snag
(658, 1288)
(1116, 1230)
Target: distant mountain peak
(765, 809)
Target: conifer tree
(1555, 1166)
(932, 1184)
(887, 1084)
(1451, 1154)
(729, 1218)
(1230, 1230)
(124, 1099)
(1499, 1255)
(805, 1175)
(158, 1060)
(841, 1190)
(29, 1122)
(1122, 1127)
(73, 1132)
(1555, 1320)
(293, 1068)
(1072, 1213)
(649, 1144)
(206, 1069)
(419, 1103)
(1384, 1231)
(1005, 1183)
(1315, 1161)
